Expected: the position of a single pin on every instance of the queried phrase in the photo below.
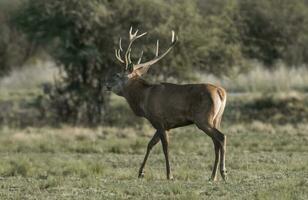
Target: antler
(118, 52)
(157, 57)
(127, 59)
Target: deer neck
(135, 93)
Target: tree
(220, 50)
(78, 36)
(81, 35)
(14, 47)
(275, 30)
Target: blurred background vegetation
(56, 54)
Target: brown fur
(169, 106)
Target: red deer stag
(169, 106)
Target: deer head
(131, 70)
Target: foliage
(275, 30)
(14, 47)
(219, 49)
(82, 37)
(215, 36)
(79, 34)
(219, 37)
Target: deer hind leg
(222, 151)
(219, 140)
(165, 143)
(223, 170)
(216, 123)
(151, 144)
(217, 156)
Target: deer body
(168, 106)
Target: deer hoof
(224, 175)
(213, 179)
(141, 175)
(170, 178)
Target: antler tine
(126, 59)
(129, 59)
(139, 60)
(118, 56)
(132, 38)
(157, 47)
(118, 51)
(139, 36)
(130, 31)
(157, 58)
(120, 44)
(131, 35)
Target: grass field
(264, 162)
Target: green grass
(102, 163)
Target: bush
(275, 30)
(14, 47)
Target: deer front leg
(165, 143)
(151, 144)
